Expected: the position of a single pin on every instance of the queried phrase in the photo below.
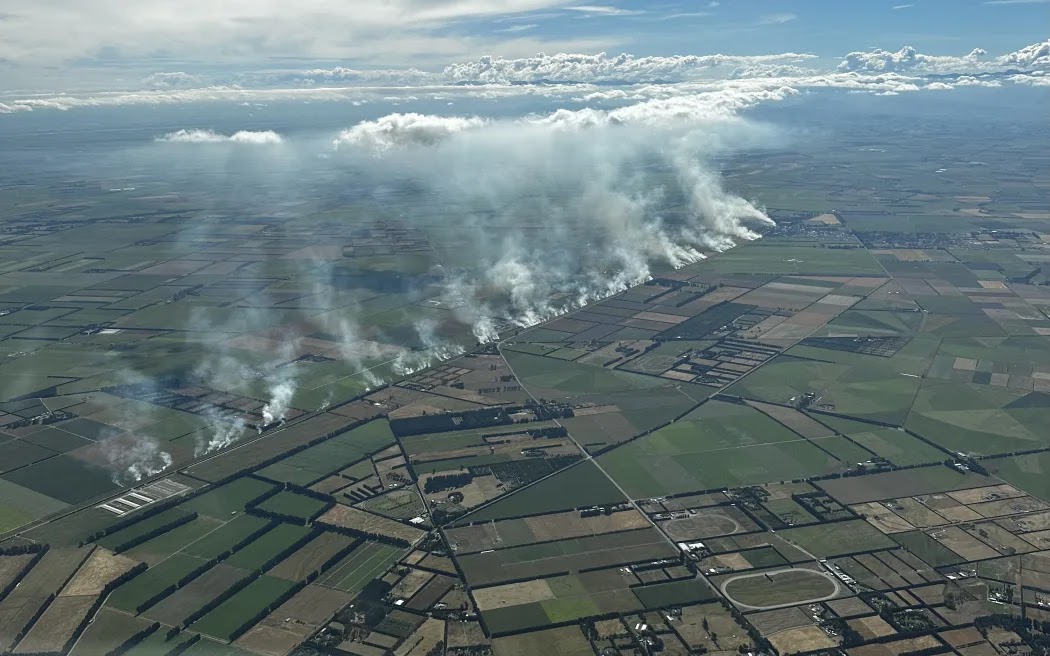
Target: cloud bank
(579, 68)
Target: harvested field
(565, 641)
(775, 621)
(802, 424)
(424, 639)
(1023, 504)
(691, 628)
(310, 557)
(882, 518)
(872, 626)
(465, 634)
(848, 606)
(431, 593)
(801, 639)
(512, 594)
(915, 513)
(986, 494)
(52, 572)
(11, 567)
(101, 567)
(359, 520)
(269, 640)
(55, 627)
(962, 543)
(411, 583)
(895, 648)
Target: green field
(225, 500)
(174, 540)
(929, 550)
(897, 446)
(144, 586)
(871, 389)
(266, 546)
(363, 564)
(142, 527)
(717, 445)
(979, 419)
(332, 455)
(1030, 473)
(292, 504)
(230, 615)
(844, 449)
(552, 377)
(837, 538)
(675, 593)
(224, 538)
(19, 505)
(581, 486)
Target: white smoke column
(224, 433)
(276, 409)
(434, 350)
(133, 458)
(197, 136)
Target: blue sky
(828, 28)
(69, 43)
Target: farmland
(241, 424)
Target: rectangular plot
(310, 557)
(231, 615)
(174, 610)
(268, 545)
(132, 594)
(224, 538)
(365, 563)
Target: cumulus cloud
(599, 68)
(1036, 55)
(405, 129)
(908, 59)
(197, 136)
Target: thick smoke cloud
(197, 136)
(563, 209)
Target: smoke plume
(556, 211)
(134, 457)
